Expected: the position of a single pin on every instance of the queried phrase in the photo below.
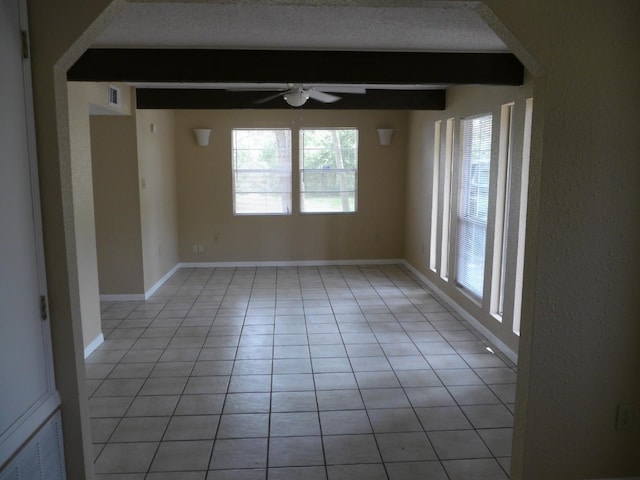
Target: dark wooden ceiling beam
(297, 66)
(154, 98)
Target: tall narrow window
(433, 248)
(446, 200)
(261, 171)
(329, 170)
(473, 202)
(503, 206)
(522, 215)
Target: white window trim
(234, 171)
(502, 207)
(433, 244)
(448, 202)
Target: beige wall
(83, 212)
(463, 102)
(157, 200)
(206, 203)
(135, 195)
(116, 195)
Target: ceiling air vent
(114, 96)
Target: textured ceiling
(454, 27)
(440, 27)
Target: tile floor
(354, 372)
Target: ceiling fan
(297, 94)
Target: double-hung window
(473, 202)
(261, 171)
(328, 170)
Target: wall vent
(114, 96)
(42, 458)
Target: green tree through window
(328, 170)
(261, 172)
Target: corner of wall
(95, 343)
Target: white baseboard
(93, 345)
(513, 356)
(292, 263)
(140, 297)
(160, 282)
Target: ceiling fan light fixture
(296, 97)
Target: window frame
(234, 174)
(502, 211)
(465, 216)
(344, 170)
(435, 192)
(448, 206)
(522, 217)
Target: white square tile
(344, 422)
(295, 451)
(470, 469)
(458, 444)
(277, 348)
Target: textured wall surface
(84, 221)
(59, 32)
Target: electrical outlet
(200, 247)
(194, 247)
(624, 417)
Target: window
(434, 196)
(328, 170)
(473, 202)
(261, 172)
(524, 183)
(503, 207)
(446, 200)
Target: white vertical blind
(473, 202)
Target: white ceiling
(439, 27)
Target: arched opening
(559, 376)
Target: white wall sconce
(384, 135)
(202, 136)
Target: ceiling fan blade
(321, 96)
(271, 97)
(340, 89)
